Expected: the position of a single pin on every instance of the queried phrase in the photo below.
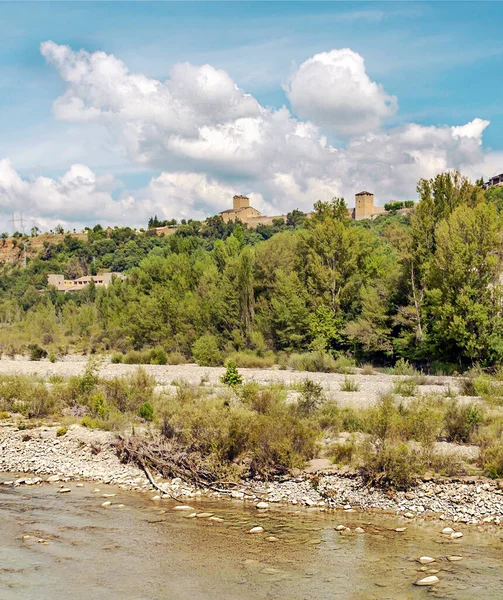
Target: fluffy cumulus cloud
(333, 90)
(209, 139)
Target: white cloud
(211, 140)
(333, 90)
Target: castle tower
(240, 202)
(364, 205)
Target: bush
(461, 421)
(36, 352)
(176, 358)
(314, 362)
(390, 464)
(403, 367)
(367, 369)
(349, 385)
(491, 459)
(231, 377)
(146, 411)
(311, 397)
(342, 453)
(405, 387)
(344, 365)
(251, 360)
(61, 431)
(116, 358)
(158, 356)
(52, 357)
(206, 352)
(27, 396)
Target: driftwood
(165, 457)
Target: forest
(425, 286)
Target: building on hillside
(365, 208)
(242, 211)
(73, 285)
(496, 180)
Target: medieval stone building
(242, 211)
(365, 208)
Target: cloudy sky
(113, 112)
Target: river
(148, 551)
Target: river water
(148, 551)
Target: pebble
(359, 530)
(64, 490)
(447, 530)
(400, 529)
(340, 528)
(156, 498)
(204, 515)
(111, 496)
(216, 519)
(183, 507)
(53, 479)
(256, 530)
(426, 560)
(271, 538)
(408, 515)
(262, 505)
(454, 558)
(80, 485)
(106, 504)
(191, 516)
(430, 580)
(456, 535)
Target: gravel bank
(370, 386)
(89, 454)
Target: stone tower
(364, 205)
(240, 202)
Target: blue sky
(443, 62)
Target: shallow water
(148, 551)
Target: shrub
(89, 379)
(116, 358)
(311, 397)
(231, 377)
(461, 421)
(349, 385)
(98, 405)
(206, 352)
(251, 360)
(405, 387)
(260, 400)
(36, 352)
(61, 431)
(146, 411)
(491, 459)
(344, 365)
(403, 367)
(158, 356)
(314, 362)
(176, 358)
(390, 464)
(367, 369)
(342, 453)
(52, 357)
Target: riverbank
(86, 454)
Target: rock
(400, 529)
(256, 530)
(271, 538)
(270, 571)
(454, 558)
(340, 528)
(262, 505)
(237, 495)
(430, 580)
(111, 496)
(456, 535)
(183, 507)
(156, 498)
(64, 490)
(426, 560)
(359, 530)
(119, 506)
(80, 485)
(216, 519)
(447, 530)
(191, 516)
(106, 504)
(204, 515)
(408, 515)
(347, 507)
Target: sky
(112, 112)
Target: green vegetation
(422, 290)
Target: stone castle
(242, 211)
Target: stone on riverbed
(400, 529)
(64, 490)
(426, 560)
(271, 538)
(340, 528)
(430, 580)
(359, 530)
(456, 535)
(256, 530)
(204, 515)
(53, 479)
(262, 505)
(454, 558)
(447, 530)
(106, 504)
(183, 507)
